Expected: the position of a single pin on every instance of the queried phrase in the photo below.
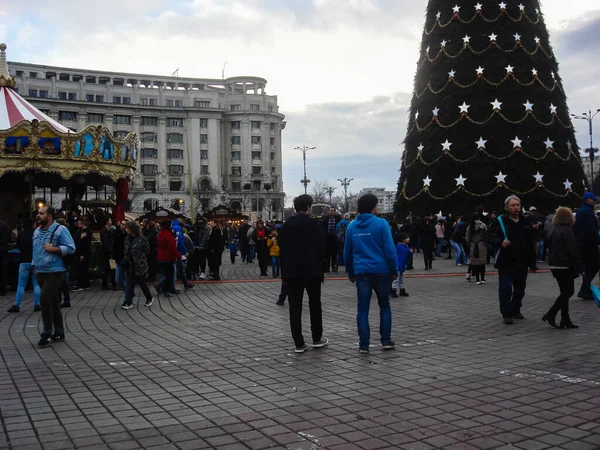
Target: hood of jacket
(363, 221)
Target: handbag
(113, 264)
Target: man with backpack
(340, 235)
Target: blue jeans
(461, 257)
(365, 285)
(251, 253)
(511, 289)
(440, 244)
(180, 274)
(25, 271)
(275, 264)
(541, 251)
(120, 277)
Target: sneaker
(280, 302)
(301, 349)
(86, 288)
(203, 276)
(478, 283)
(149, 302)
(389, 346)
(518, 315)
(483, 282)
(14, 309)
(508, 320)
(468, 278)
(76, 289)
(364, 351)
(127, 307)
(45, 341)
(321, 343)
(65, 305)
(37, 308)
(58, 337)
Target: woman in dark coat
(261, 237)
(566, 264)
(135, 263)
(427, 235)
(216, 245)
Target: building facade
(386, 198)
(206, 142)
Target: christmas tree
(489, 115)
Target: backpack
(340, 234)
(68, 260)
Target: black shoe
(508, 320)
(426, 268)
(45, 341)
(430, 267)
(264, 274)
(586, 295)
(550, 317)
(565, 322)
(301, 349)
(58, 337)
(389, 346)
(403, 293)
(280, 302)
(393, 293)
(518, 315)
(14, 309)
(189, 287)
(176, 292)
(65, 305)
(37, 308)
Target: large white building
(386, 198)
(220, 138)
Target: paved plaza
(214, 368)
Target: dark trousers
(52, 318)
(244, 251)
(332, 252)
(107, 273)
(202, 255)
(3, 271)
(168, 270)
(263, 258)
(428, 256)
(132, 280)
(296, 289)
(152, 267)
(232, 257)
(283, 293)
(478, 272)
(511, 289)
(64, 291)
(591, 270)
(83, 273)
(566, 284)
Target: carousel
(38, 153)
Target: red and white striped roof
(14, 109)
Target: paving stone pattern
(215, 368)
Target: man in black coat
(329, 224)
(516, 255)
(5, 238)
(302, 254)
(244, 241)
(83, 244)
(427, 235)
(586, 232)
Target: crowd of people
(375, 254)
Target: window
(174, 153)
(270, 108)
(149, 153)
(123, 120)
(175, 170)
(236, 156)
(121, 134)
(273, 126)
(254, 107)
(203, 123)
(174, 185)
(174, 122)
(236, 186)
(45, 111)
(89, 97)
(153, 101)
(273, 156)
(235, 140)
(204, 138)
(64, 77)
(149, 169)
(117, 100)
(99, 98)
(236, 170)
(256, 156)
(174, 138)
(144, 101)
(256, 139)
(204, 170)
(255, 125)
(272, 169)
(150, 185)
(72, 96)
(127, 100)
(148, 137)
(272, 142)
(67, 115)
(62, 95)
(235, 125)
(202, 104)
(170, 103)
(256, 185)
(95, 118)
(33, 92)
(43, 94)
(256, 170)
(19, 73)
(236, 107)
(178, 103)
(203, 154)
(32, 74)
(150, 121)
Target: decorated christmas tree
(489, 115)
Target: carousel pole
(191, 182)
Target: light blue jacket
(369, 247)
(45, 262)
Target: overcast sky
(342, 69)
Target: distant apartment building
(386, 198)
(226, 133)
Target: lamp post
(329, 191)
(304, 149)
(345, 183)
(589, 117)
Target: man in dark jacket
(83, 244)
(5, 238)
(586, 232)
(244, 241)
(201, 239)
(107, 238)
(516, 254)
(427, 235)
(302, 254)
(329, 224)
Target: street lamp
(589, 117)
(345, 183)
(304, 149)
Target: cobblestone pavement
(214, 368)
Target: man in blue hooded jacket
(181, 248)
(370, 259)
(586, 232)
